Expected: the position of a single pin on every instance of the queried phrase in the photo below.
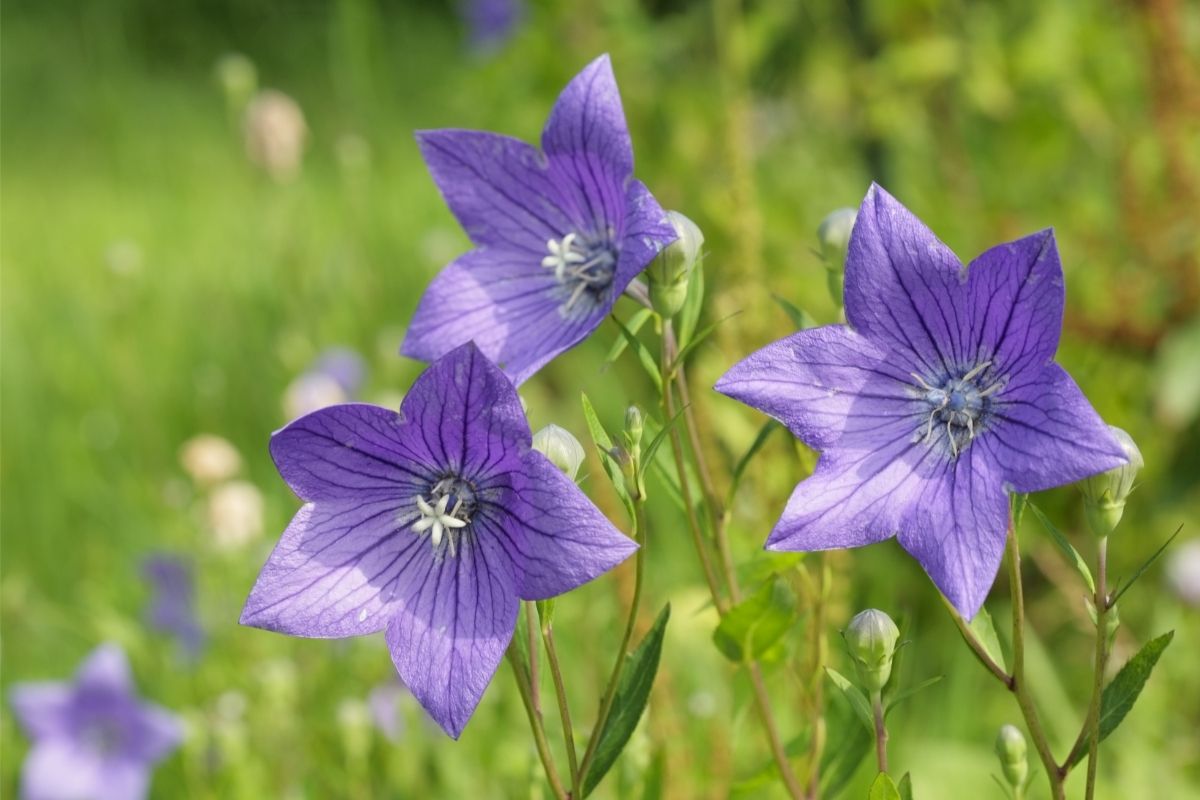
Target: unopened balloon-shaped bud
(1104, 495)
(563, 449)
(834, 235)
(670, 271)
(1011, 750)
(871, 639)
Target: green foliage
(1068, 550)
(883, 788)
(855, 697)
(633, 690)
(984, 629)
(1121, 693)
(754, 626)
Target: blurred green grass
(155, 286)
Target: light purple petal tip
(107, 669)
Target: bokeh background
(168, 273)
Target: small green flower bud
(634, 425)
(1011, 750)
(1104, 495)
(871, 638)
(834, 235)
(669, 272)
(563, 449)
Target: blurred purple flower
(172, 606)
(491, 23)
(939, 397)
(336, 376)
(559, 232)
(93, 739)
(384, 704)
(431, 524)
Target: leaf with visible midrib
(633, 690)
(883, 788)
(1119, 696)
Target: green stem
(1093, 723)
(610, 692)
(535, 724)
(762, 701)
(1019, 685)
(535, 682)
(881, 734)
(560, 690)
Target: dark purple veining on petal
(938, 398)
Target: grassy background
(989, 123)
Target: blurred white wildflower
(123, 257)
(235, 514)
(1183, 572)
(312, 391)
(274, 131)
(209, 459)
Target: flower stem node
(834, 235)
(671, 270)
(871, 639)
(563, 449)
(1011, 749)
(1104, 494)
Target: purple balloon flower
(172, 606)
(938, 398)
(559, 233)
(93, 739)
(431, 523)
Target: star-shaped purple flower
(559, 232)
(939, 397)
(431, 524)
(93, 739)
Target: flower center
(445, 513)
(958, 406)
(583, 265)
(103, 736)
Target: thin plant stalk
(881, 734)
(535, 725)
(1093, 723)
(610, 692)
(535, 682)
(564, 711)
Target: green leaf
(636, 321)
(520, 644)
(1069, 551)
(1017, 505)
(858, 701)
(604, 445)
(645, 357)
(660, 437)
(901, 696)
(984, 628)
(883, 788)
(653, 780)
(1119, 696)
(633, 690)
(689, 315)
(687, 349)
(801, 318)
(764, 433)
(758, 622)
(1137, 573)
(905, 787)
(847, 744)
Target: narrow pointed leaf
(984, 628)
(883, 788)
(604, 444)
(905, 787)
(858, 701)
(693, 304)
(847, 745)
(1137, 573)
(633, 690)
(645, 357)
(901, 696)
(1067, 548)
(764, 433)
(799, 317)
(1120, 694)
(699, 338)
(656, 442)
(636, 320)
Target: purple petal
(106, 670)
(508, 305)
(42, 708)
(159, 732)
(337, 568)
(1017, 294)
(956, 526)
(498, 188)
(854, 498)
(646, 232)
(587, 144)
(464, 415)
(556, 537)
(829, 385)
(58, 769)
(1047, 433)
(453, 624)
(345, 451)
(905, 288)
